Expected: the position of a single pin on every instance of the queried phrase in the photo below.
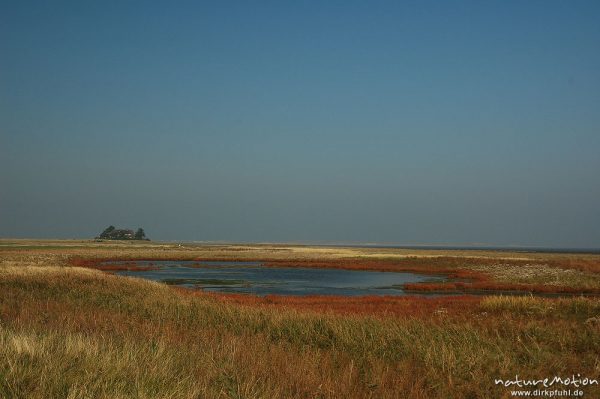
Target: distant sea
(472, 248)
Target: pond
(254, 278)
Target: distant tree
(107, 232)
(139, 234)
(111, 233)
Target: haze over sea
(381, 122)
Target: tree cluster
(112, 233)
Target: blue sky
(390, 122)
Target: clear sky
(324, 121)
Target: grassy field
(77, 332)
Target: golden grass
(70, 332)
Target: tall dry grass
(77, 333)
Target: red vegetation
(461, 280)
(399, 306)
(114, 266)
(493, 287)
(584, 265)
(448, 267)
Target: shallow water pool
(254, 278)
